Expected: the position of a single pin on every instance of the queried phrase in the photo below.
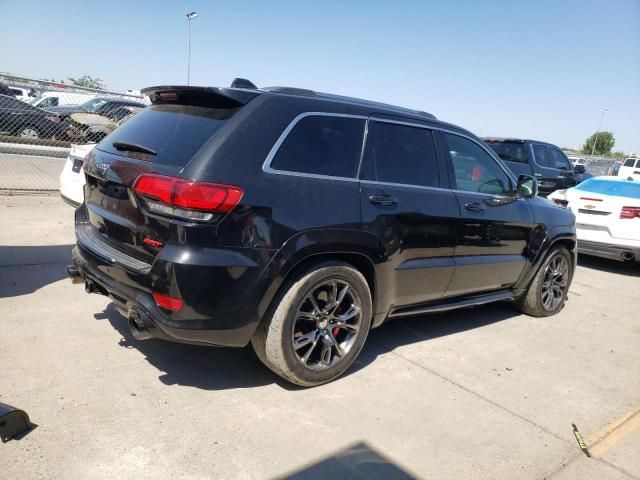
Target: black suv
(543, 160)
(297, 221)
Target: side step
(451, 304)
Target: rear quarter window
(322, 145)
(174, 132)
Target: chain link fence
(40, 120)
(45, 118)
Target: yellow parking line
(600, 442)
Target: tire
(535, 302)
(29, 131)
(292, 318)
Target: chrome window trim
(267, 168)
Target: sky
(542, 69)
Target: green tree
(604, 144)
(88, 81)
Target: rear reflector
(629, 213)
(182, 197)
(170, 303)
(153, 243)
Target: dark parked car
(18, 118)
(297, 221)
(544, 161)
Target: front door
(495, 225)
(403, 206)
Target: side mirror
(579, 169)
(527, 186)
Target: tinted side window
(628, 162)
(542, 155)
(474, 169)
(637, 163)
(558, 160)
(322, 145)
(400, 154)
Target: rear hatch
(159, 141)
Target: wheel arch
(362, 250)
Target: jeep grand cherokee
(297, 221)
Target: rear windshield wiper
(133, 147)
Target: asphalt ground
(482, 393)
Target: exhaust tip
(628, 256)
(74, 274)
(137, 327)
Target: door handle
(383, 200)
(475, 206)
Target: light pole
(604, 110)
(190, 16)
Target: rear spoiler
(215, 97)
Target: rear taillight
(170, 303)
(630, 212)
(188, 199)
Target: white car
(60, 99)
(24, 94)
(72, 176)
(607, 211)
(630, 168)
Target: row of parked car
(53, 116)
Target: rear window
(322, 145)
(610, 187)
(174, 132)
(511, 151)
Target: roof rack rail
(304, 92)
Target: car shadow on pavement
(406, 331)
(356, 461)
(208, 368)
(631, 269)
(27, 268)
(213, 368)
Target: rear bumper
(609, 250)
(208, 321)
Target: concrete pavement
(29, 172)
(482, 393)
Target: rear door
(566, 176)
(495, 227)
(547, 176)
(403, 204)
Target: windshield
(93, 104)
(628, 189)
(511, 151)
